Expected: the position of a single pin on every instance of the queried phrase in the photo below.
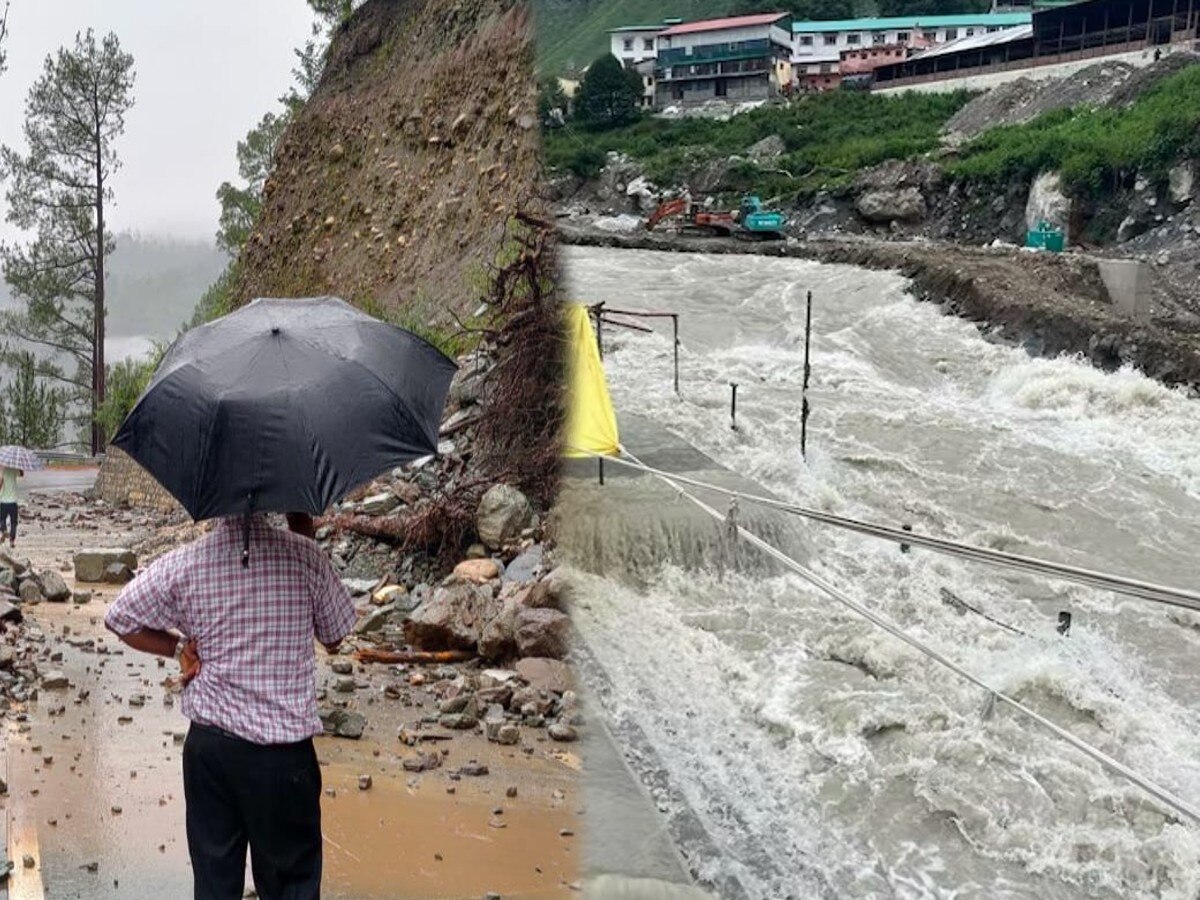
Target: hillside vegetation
(1097, 151)
(828, 138)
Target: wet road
(95, 793)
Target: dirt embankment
(1049, 304)
(393, 186)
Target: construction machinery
(750, 220)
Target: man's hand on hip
(189, 662)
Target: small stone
(342, 666)
(116, 810)
(473, 768)
(364, 782)
(560, 731)
(28, 861)
(511, 792)
(54, 680)
(344, 685)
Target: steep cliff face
(393, 186)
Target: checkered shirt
(253, 627)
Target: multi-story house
(739, 58)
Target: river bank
(1051, 305)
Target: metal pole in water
(599, 329)
(804, 409)
(904, 548)
(675, 341)
(600, 459)
(733, 406)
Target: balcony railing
(714, 52)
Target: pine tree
(33, 412)
(60, 191)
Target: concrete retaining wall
(122, 482)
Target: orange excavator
(750, 220)
(703, 220)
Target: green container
(1046, 237)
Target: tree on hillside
(240, 206)
(32, 412)
(127, 380)
(609, 95)
(60, 191)
(3, 38)
(801, 10)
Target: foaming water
(810, 742)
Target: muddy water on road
(68, 771)
(825, 758)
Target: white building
(822, 39)
(636, 46)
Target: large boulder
(504, 512)
(453, 618)
(543, 632)
(894, 205)
(767, 149)
(31, 591)
(1181, 183)
(54, 587)
(545, 674)
(91, 565)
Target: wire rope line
(1155, 790)
(1121, 584)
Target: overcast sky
(207, 70)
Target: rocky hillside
(394, 185)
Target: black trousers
(8, 520)
(238, 792)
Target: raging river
(823, 757)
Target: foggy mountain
(154, 283)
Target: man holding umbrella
(248, 415)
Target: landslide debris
(1111, 83)
(393, 185)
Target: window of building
(628, 43)
(647, 43)
(806, 40)
(930, 36)
(879, 37)
(826, 68)
(951, 34)
(902, 37)
(853, 38)
(970, 32)
(831, 40)
(993, 28)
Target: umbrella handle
(246, 530)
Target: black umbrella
(286, 406)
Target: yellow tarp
(591, 422)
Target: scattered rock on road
(92, 565)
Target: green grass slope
(572, 33)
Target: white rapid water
(824, 757)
